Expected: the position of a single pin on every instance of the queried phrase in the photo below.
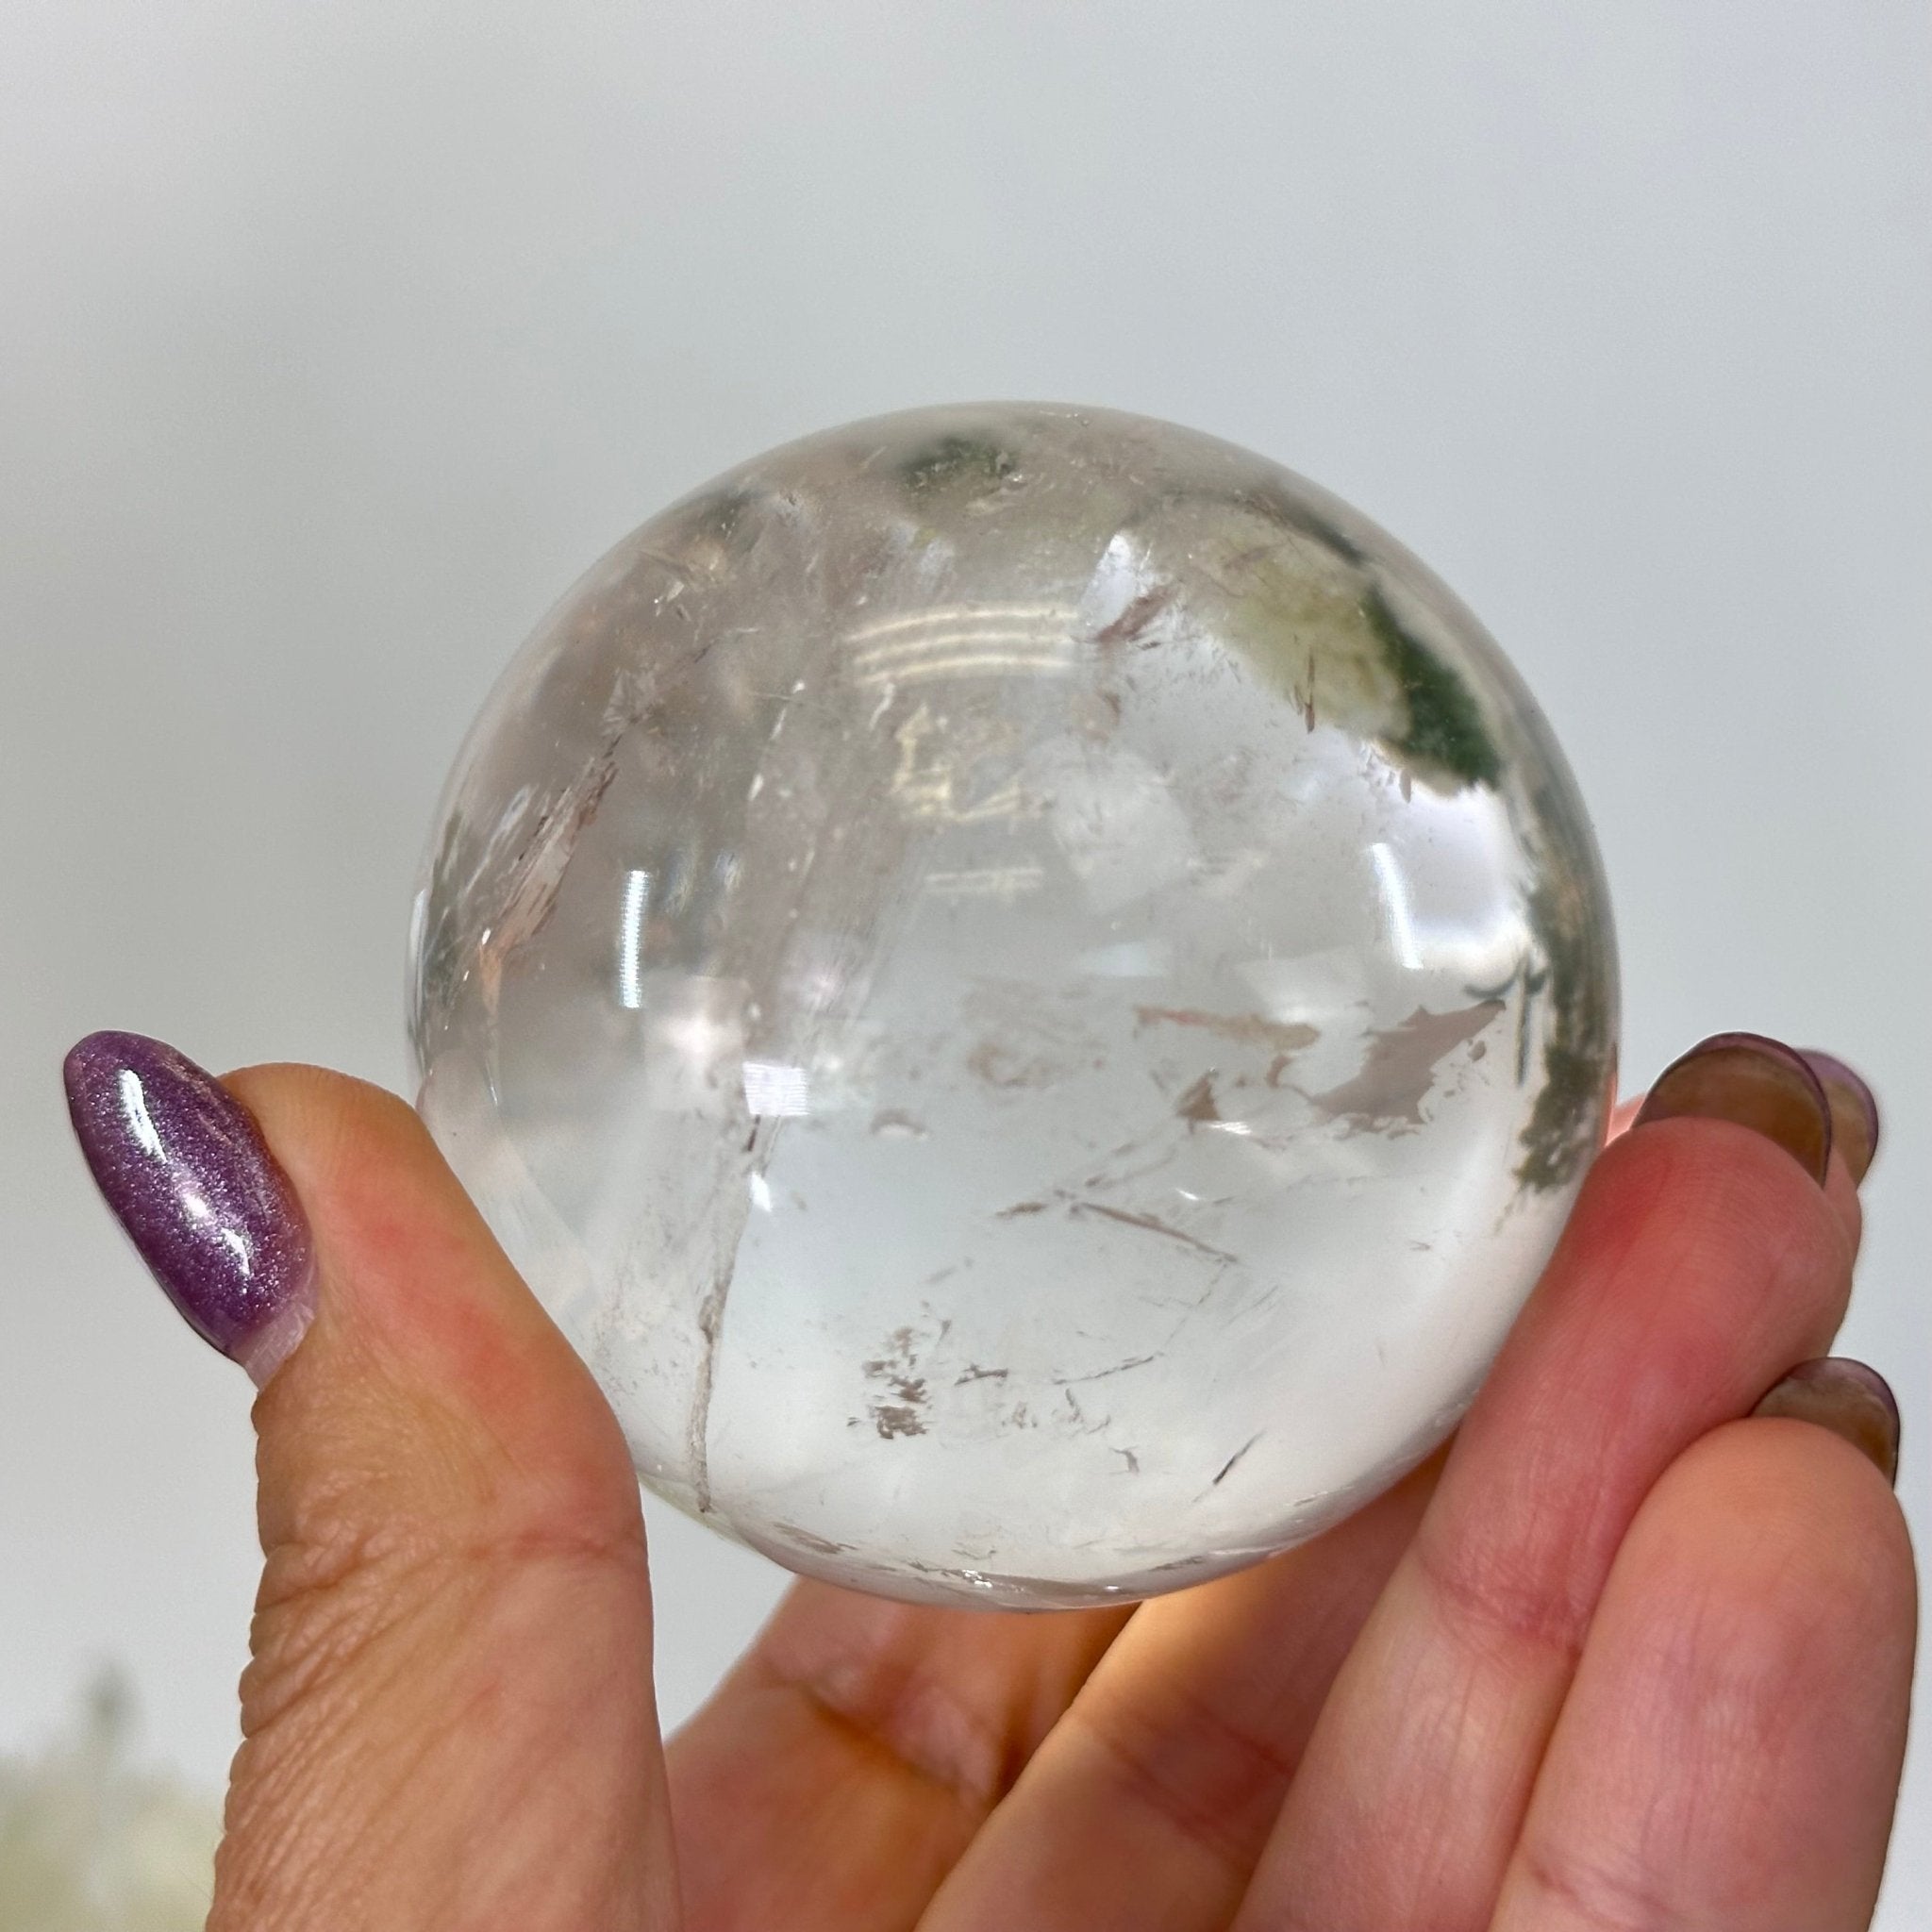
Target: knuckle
(1504, 1596)
(1213, 1780)
(870, 1678)
(339, 1597)
(1596, 1894)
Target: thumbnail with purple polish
(186, 1171)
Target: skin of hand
(1634, 1650)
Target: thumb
(447, 1718)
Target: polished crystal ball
(1031, 992)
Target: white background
(335, 340)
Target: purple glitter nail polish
(186, 1171)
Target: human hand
(1626, 1654)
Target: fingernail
(1846, 1397)
(186, 1171)
(1854, 1109)
(1757, 1083)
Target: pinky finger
(1728, 1755)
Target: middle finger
(1147, 1806)
(1701, 1262)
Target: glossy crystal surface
(1030, 990)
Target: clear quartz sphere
(1032, 993)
